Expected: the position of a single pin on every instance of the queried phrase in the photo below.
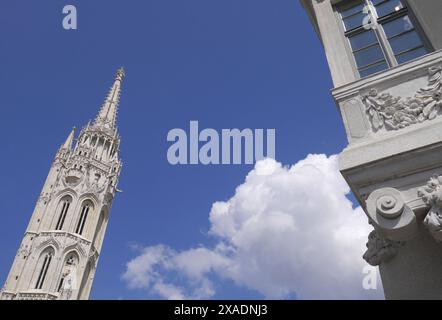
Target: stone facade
(58, 255)
(393, 121)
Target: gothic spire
(70, 139)
(108, 112)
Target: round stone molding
(388, 212)
(390, 204)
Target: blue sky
(227, 64)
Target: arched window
(62, 210)
(84, 212)
(44, 266)
(100, 142)
(68, 279)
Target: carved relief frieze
(388, 112)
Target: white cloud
(287, 231)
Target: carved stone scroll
(390, 215)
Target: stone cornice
(393, 76)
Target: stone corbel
(379, 249)
(431, 195)
(390, 215)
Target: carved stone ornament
(431, 194)
(379, 249)
(389, 214)
(25, 251)
(73, 177)
(95, 182)
(393, 113)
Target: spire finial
(120, 74)
(108, 113)
(69, 140)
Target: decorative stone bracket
(394, 223)
(431, 194)
(390, 215)
(379, 249)
(393, 113)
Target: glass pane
(352, 10)
(405, 42)
(362, 40)
(354, 21)
(373, 69)
(368, 56)
(397, 26)
(387, 7)
(411, 55)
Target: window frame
(382, 40)
(65, 203)
(86, 209)
(47, 257)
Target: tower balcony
(31, 295)
(66, 234)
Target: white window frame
(378, 30)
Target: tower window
(60, 285)
(44, 270)
(68, 275)
(64, 207)
(85, 208)
(381, 34)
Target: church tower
(58, 255)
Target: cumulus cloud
(286, 232)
